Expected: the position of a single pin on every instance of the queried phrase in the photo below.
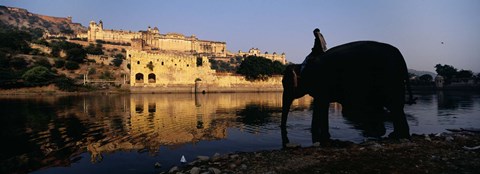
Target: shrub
(70, 65)
(19, 63)
(117, 61)
(65, 84)
(76, 54)
(42, 61)
(38, 76)
(94, 49)
(92, 71)
(59, 63)
(259, 68)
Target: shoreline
(454, 152)
(52, 90)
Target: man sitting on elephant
(319, 47)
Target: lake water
(130, 133)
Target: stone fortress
(173, 62)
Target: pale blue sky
(416, 27)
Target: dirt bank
(455, 152)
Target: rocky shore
(454, 152)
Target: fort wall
(164, 72)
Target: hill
(420, 73)
(22, 19)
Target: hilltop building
(256, 52)
(154, 40)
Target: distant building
(256, 52)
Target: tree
(65, 84)
(259, 68)
(70, 65)
(18, 63)
(38, 76)
(117, 62)
(448, 72)
(42, 61)
(59, 63)
(15, 41)
(94, 49)
(76, 54)
(426, 78)
(221, 66)
(464, 74)
(107, 75)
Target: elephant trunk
(287, 100)
(289, 83)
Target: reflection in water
(53, 131)
(92, 133)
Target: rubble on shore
(455, 152)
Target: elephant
(366, 77)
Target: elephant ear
(290, 77)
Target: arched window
(139, 78)
(151, 78)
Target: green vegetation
(14, 41)
(118, 60)
(59, 63)
(38, 76)
(259, 68)
(71, 65)
(42, 61)
(451, 74)
(150, 66)
(94, 49)
(221, 66)
(107, 75)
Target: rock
(195, 170)
(216, 157)
(316, 144)
(244, 167)
(232, 166)
(174, 169)
(203, 158)
(214, 170)
(258, 154)
(234, 156)
(292, 145)
(428, 138)
(158, 165)
(375, 146)
(449, 138)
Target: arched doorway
(139, 78)
(151, 78)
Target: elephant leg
(285, 139)
(374, 126)
(400, 125)
(320, 132)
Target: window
(199, 62)
(138, 62)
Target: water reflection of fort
(155, 120)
